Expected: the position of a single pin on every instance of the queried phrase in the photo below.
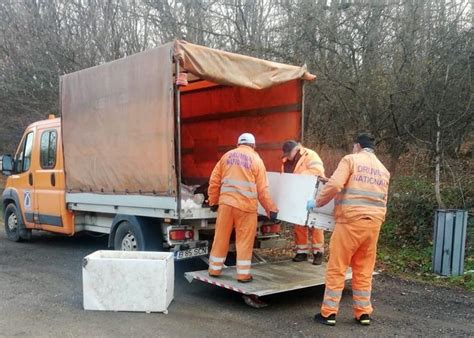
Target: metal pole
(302, 111)
(177, 110)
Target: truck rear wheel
(13, 225)
(139, 236)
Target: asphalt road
(41, 295)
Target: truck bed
(136, 205)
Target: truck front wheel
(13, 225)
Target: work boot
(318, 258)
(300, 257)
(364, 319)
(330, 320)
(248, 280)
(214, 276)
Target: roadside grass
(414, 263)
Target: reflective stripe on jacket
(360, 187)
(239, 180)
(309, 163)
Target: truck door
(22, 179)
(47, 207)
(50, 206)
(39, 179)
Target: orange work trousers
(245, 224)
(354, 245)
(301, 239)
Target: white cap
(246, 138)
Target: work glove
(214, 207)
(273, 215)
(323, 179)
(311, 204)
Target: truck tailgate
(268, 278)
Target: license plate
(191, 253)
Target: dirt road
(41, 294)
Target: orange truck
(134, 132)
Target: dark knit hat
(366, 140)
(288, 146)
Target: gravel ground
(41, 295)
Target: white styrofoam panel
(128, 281)
(328, 209)
(321, 221)
(290, 192)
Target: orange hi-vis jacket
(239, 180)
(309, 163)
(360, 187)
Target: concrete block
(128, 281)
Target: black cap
(366, 140)
(288, 146)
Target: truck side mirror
(6, 163)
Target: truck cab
(34, 195)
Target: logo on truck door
(27, 200)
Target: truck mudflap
(268, 279)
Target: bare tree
(399, 69)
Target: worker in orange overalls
(360, 187)
(300, 160)
(237, 182)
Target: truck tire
(140, 236)
(14, 228)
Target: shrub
(411, 207)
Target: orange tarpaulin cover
(235, 69)
(118, 118)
